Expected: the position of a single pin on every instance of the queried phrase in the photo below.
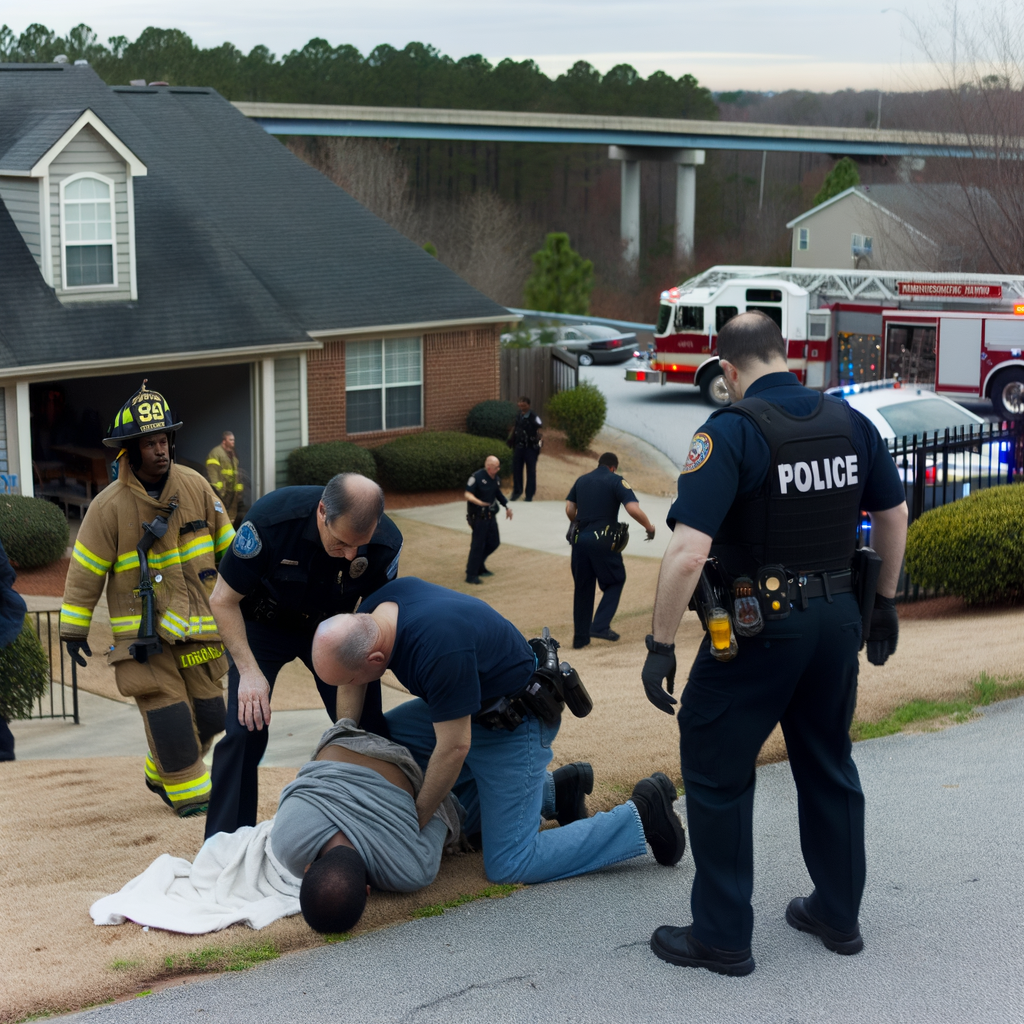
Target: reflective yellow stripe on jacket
(75, 615)
(174, 624)
(225, 536)
(123, 624)
(90, 560)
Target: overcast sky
(726, 44)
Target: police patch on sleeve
(470, 482)
(700, 452)
(247, 543)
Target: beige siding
(21, 197)
(831, 231)
(287, 415)
(88, 152)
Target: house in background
(156, 232)
(890, 227)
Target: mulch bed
(45, 582)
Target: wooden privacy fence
(538, 373)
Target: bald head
(492, 464)
(347, 650)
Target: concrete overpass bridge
(630, 140)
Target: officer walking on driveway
(597, 539)
(302, 555)
(483, 495)
(526, 443)
(773, 488)
(153, 538)
(487, 708)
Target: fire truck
(961, 334)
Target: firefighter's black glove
(660, 664)
(76, 648)
(885, 630)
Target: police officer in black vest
(526, 442)
(593, 508)
(483, 495)
(302, 555)
(773, 488)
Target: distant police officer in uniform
(526, 443)
(773, 488)
(593, 508)
(302, 555)
(483, 495)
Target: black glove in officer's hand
(885, 630)
(660, 664)
(76, 648)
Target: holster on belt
(867, 565)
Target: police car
(905, 413)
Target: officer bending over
(464, 662)
(773, 488)
(597, 542)
(302, 554)
(483, 493)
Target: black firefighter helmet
(146, 412)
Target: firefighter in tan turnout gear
(153, 537)
(222, 470)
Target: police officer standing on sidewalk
(483, 494)
(526, 442)
(597, 540)
(773, 488)
(302, 555)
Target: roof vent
(61, 58)
(137, 81)
(81, 63)
(159, 83)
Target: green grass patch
(141, 995)
(39, 1015)
(334, 937)
(985, 690)
(492, 892)
(215, 958)
(125, 965)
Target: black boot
(572, 783)
(663, 831)
(800, 918)
(678, 946)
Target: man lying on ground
(350, 817)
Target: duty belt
(820, 584)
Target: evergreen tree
(562, 279)
(843, 176)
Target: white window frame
(861, 245)
(109, 182)
(803, 239)
(383, 385)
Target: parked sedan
(590, 343)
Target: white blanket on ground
(235, 879)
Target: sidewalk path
(943, 921)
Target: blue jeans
(505, 787)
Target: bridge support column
(687, 161)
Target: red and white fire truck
(961, 334)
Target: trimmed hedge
(24, 674)
(491, 419)
(33, 530)
(580, 412)
(974, 547)
(317, 463)
(438, 461)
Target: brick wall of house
(460, 369)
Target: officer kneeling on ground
(302, 554)
(486, 709)
(483, 494)
(773, 488)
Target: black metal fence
(57, 701)
(941, 468)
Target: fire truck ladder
(854, 285)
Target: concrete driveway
(943, 921)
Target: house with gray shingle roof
(156, 232)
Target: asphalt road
(943, 921)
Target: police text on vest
(821, 474)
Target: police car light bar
(858, 389)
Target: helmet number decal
(146, 412)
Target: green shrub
(317, 463)
(973, 547)
(436, 461)
(33, 530)
(580, 413)
(24, 674)
(491, 419)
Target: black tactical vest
(805, 515)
